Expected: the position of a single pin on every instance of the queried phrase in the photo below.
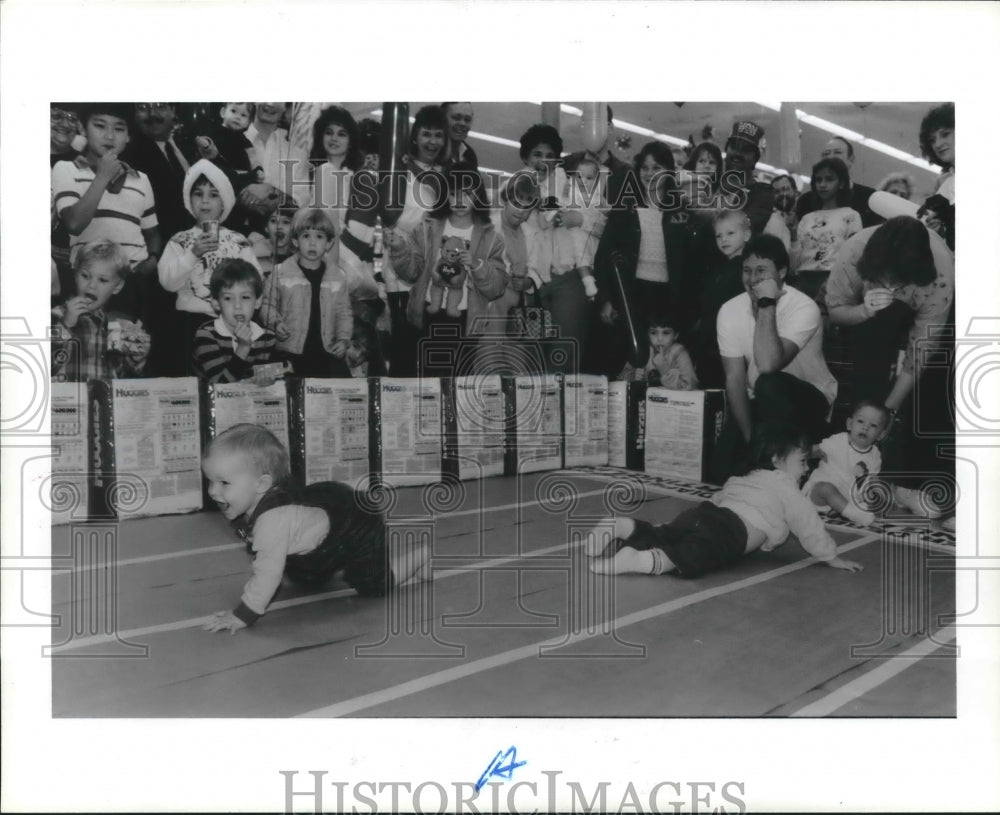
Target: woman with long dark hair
(334, 159)
(647, 248)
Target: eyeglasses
(59, 116)
(147, 107)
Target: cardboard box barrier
(144, 437)
(533, 406)
(682, 429)
(69, 485)
(329, 429)
(473, 426)
(627, 424)
(585, 420)
(405, 426)
(232, 403)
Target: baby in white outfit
(848, 459)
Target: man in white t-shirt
(770, 340)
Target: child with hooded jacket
(192, 255)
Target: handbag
(531, 322)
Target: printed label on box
(474, 426)
(70, 462)
(235, 403)
(585, 420)
(407, 420)
(334, 416)
(681, 430)
(534, 423)
(626, 424)
(149, 447)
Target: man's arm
(771, 352)
(735, 369)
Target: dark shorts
(356, 543)
(702, 539)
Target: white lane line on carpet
(893, 666)
(135, 561)
(438, 678)
(195, 622)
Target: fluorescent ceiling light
(475, 134)
(806, 118)
(834, 129)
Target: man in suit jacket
(153, 151)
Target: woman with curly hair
(937, 143)
(334, 159)
(705, 162)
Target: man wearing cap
(742, 154)
(841, 148)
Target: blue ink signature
(498, 768)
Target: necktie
(175, 162)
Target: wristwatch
(766, 302)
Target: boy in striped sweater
(228, 348)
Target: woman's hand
(608, 313)
(340, 348)
(876, 300)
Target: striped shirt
(120, 217)
(215, 357)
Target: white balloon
(889, 206)
(595, 125)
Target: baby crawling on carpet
(755, 511)
(306, 534)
